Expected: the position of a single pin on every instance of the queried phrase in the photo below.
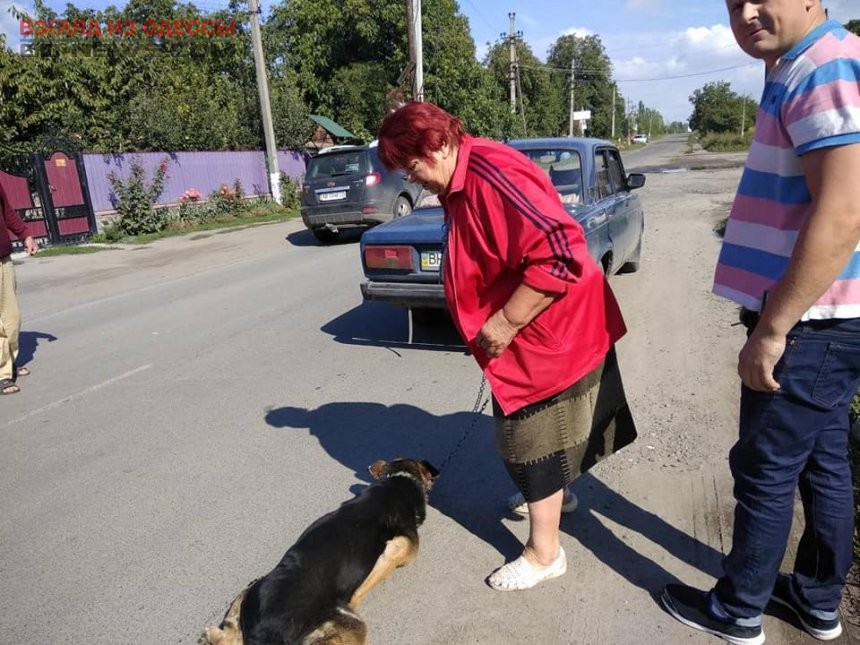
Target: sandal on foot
(517, 503)
(522, 574)
(7, 385)
(19, 371)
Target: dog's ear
(377, 468)
(428, 469)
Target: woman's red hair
(415, 131)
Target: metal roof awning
(331, 127)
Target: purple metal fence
(205, 171)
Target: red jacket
(9, 221)
(506, 226)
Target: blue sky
(661, 50)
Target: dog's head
(422, 471)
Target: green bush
(854, 413)
(726, 141)
(225, 201)
(136, 197)
(291, 192)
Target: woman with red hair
(535, 311)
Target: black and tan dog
(309, 598)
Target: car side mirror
(635, 180)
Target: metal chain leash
(477, 411)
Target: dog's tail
(229, 632)
(342, 627)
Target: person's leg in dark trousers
(796, 436)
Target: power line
(669, 78)
(480, 15)
(562, 70)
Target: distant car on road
(401, 259)
(640, 138)
(348, 187)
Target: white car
(640, 138)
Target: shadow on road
(596, 498)
(473, 485)
(382, 325)
(469, 487)
(28, 342)
(306, 238)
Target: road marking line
(80, 394)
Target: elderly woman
(534, 309)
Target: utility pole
(416, 47)
(572, 84)
(265, 106)
(613, 111)
(512, 42)
(743, 115)
(629, 119)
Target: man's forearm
(826, 241)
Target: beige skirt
(548, 444)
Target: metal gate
(49, 191)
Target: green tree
(345, 56)
(535, 110)
(143, 92)
(593, 83)
(716, 108)
(853, 26)
(649, 120)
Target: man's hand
(496, 334)
(759, 356)
(31, 245)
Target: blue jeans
(795, 437)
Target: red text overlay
(94, 29)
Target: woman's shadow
(28, 343)
(473, 483)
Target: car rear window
(338, 164)
(564, 169)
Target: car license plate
(431, 260)
(333, 196)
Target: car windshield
(334, 164)
(564, 169)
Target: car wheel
(402, 206)
(326, 236)
(632, 265)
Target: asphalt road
(195, 403)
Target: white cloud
(665, 68)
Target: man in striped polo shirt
(791, 259)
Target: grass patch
(726, 141)
(252, 218)
(256, 215)
(73, 250)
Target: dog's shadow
(473, 483)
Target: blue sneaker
(692, 607)
(824, 629)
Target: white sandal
(522, 574)
(517, 503)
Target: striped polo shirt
(811, 100)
